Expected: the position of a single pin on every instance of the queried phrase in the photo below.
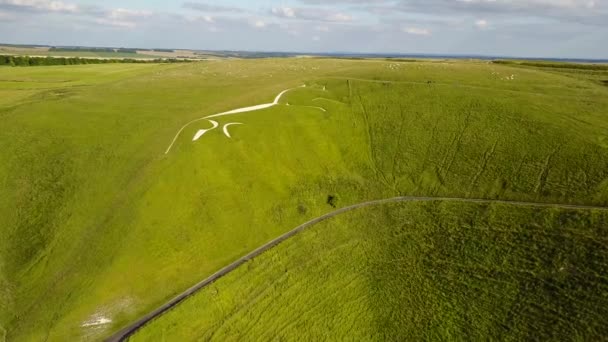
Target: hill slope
(100, 226)
(413, 271)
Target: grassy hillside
(100, 223)
(412, 272)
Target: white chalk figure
(228, 125)
(201, 132)
(96, 321)
(315, 107)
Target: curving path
(230, 112)
(123, 334)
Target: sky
(524, 28)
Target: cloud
(515, 27)
(310, 14)
(115, 23)
(6, 17)
(417, 31)
(567, 4)
(118, 17)
(587, 12)
(259, 24)
(123, 18)
(285, 12)
(339, 17)
(39, 6)
(349, 2)
(481, 23)
(204, 7)
(123, 13)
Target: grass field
(413, 272)
(99, 223)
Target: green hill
(405, 272)
(100, 226)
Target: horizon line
(330, 53)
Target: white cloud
(123, 13)
(122, 17)
(481, 23)
(41, 5)
(115, 23)
(339, 17)
(316, 38)
(212, 8)
(259, 24)
(322, 28)
(286, 12)
(417, 31)
(561, 4)
(310, 13)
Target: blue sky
(534, 28)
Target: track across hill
(124, 333)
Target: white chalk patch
(96, 321)
(234, 111)
(243, 110)
(315, 107)
(228, 125)
(324, 99)
(201, 132)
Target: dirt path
(123, 334)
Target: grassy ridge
(92, 197)
(426, 138)
(117, 184)
(426, 271)
(450, 142)
(556, 65)
(594, 72)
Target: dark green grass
(433, 271)
(425, 140)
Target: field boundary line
(129, 330)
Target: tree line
(83, 49)
(47, 61)
(560, 65)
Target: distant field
(6, 50)
(595, 72)
(102, 226)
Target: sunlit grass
(96, 220)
